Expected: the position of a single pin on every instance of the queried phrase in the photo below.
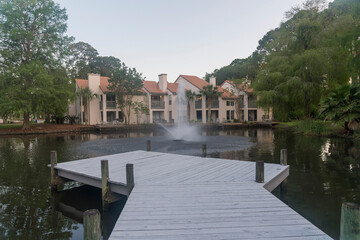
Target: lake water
(324, 173)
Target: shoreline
(44, 129)
(332, 133)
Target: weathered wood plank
(186, 197)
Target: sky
(175, 37)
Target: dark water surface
(323, 173)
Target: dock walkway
(187, 197)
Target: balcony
(198, 104)
(157, 105)
(111, 104)
(252, 103)
(214, 104)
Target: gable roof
(242, 86)
(196, 81)
(82, 83)
(200, 83)
(104, 83)
(152, 87)
(173, 87)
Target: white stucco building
(160, 97)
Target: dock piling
(105, 183)
(148, 145)
(283, 157)
(92, 224)
(283, 162)
(350, 221)
(129, 178)
(53, 160)
(259, 178)
(204, 150)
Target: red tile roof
(200, 83)
(173, 87)
(227, 94)
(242, 86)
(196, 81)
(152, 87)
(104, 83)
(82, 83)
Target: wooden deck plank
(186, 197)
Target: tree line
(39, 61)
(307, 59)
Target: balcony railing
(214, 104)
(111, 104)
(252, 104)
(157, 104)
(198, 104)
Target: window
(110, 98)
(230, 115)
(170, 99)
(229, 103)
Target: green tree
(33, 45)
(190, 96)
(82, 54)
(86, 95)
(343, 104)
(211, 93)
(105, 66)
(140, 108)
(126, 83)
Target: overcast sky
(174, 36)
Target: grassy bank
(318, 127)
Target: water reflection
(324, 172)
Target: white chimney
(163, 82)
(94, 81)
(213, 80)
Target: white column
(246, 108)
(104, 109)
(203, 108)
(150, 110)
(166, 109)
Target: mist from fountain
(183, 131)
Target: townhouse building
(161, 98)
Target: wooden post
(204, 150)
(350, 221)
(259, 177)
(283, 157)
(53, 161)
(283, 162)
(92, 225)
(129, 178)
(148, 145)
(105, 184)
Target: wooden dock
(187, 197)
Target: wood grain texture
(186, 197)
